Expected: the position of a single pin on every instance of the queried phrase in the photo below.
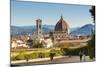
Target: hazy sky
(26, 13)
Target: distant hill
(73, 29)
(84, 30)
(18, 30)
(24, 30)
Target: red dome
(61, 25)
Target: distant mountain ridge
(24, 30)
(84, 30)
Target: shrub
(75, 51)
(13, 58)
(41, 55)
(56, 52)
(91, 47)
(38, 45)
(27, 57)
(47, 54)
(19, 57)
(33, 55)
(36, 54)
(91, 53)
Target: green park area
(34, 53)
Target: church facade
(61, 31)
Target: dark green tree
(91, 43)
(92, 11)
(38, 45)
(29, 43)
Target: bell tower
(39, 28)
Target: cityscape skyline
(26, 13)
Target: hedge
(75, 51)
(34, 55)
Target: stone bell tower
(39, 28)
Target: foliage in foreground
(91, 47)
(74, 52)
(35, 54)
(45, 53)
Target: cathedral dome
(61, 25)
